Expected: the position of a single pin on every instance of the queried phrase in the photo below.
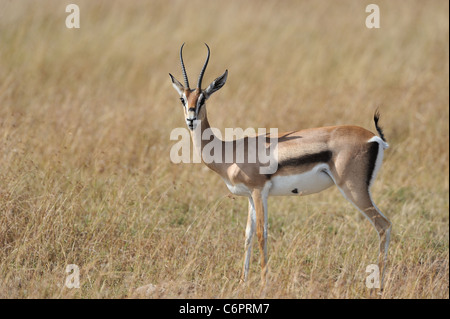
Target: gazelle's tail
(376, 118)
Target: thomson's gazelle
(309, 161)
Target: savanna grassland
(85, 172)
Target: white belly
(313, 181)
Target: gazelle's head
(193, 100)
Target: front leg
(261, 229)
(249, 231)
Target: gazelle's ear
(216, 84)
(177, 85)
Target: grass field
(85, 172)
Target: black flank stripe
(321, 157)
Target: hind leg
(361, 199)
(357, 192)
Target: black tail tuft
(376, 117)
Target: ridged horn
(200, 78)
(186, 81)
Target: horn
(200, 78)
(183, 68)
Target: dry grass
(85, 173)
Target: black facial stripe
(200, 101)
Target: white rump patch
(382, 146)
(379, 141)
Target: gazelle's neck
(202, 136)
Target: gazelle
(309, 161)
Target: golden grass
(85, 173)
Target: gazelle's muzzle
(191, 123)
(191, 119)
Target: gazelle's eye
(182, 100)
